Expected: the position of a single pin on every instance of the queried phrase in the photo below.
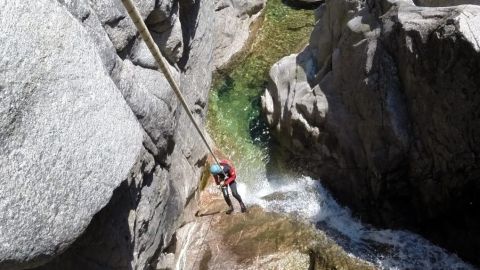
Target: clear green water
(235, 124)
(234, 119)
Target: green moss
(234, 119)
(260, 233)
(205, 176)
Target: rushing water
(236, 126)
(388, 249)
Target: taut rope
(152, 46)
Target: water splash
(305, 198)
(233, 122)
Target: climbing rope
(162, 64)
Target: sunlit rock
(398, 137)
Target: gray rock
(68, 138)
(445, 3)
(293, 109)
(103, 44)
(163, 16)
(105, 157)
(398, 136)
(166, 261)
(153, 102)
(116, 22)
(128, 232)
(170, 43)
(232, 26)
(166, 30)
(79, 9)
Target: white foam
(388, 249)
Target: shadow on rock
(106, 243)
(299, 4)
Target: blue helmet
(215, 169)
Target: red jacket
(229, 175)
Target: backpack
(232, 173)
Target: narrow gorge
(354, 126)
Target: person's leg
(233, 187)
(227, 200)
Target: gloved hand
(222, 183)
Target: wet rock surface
(382, 104)
(68, 138)
(98, 161)
(253, 240)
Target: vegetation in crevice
(234, 119)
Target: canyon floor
(254, 240)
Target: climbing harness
(152, 46)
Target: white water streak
(388, 249)
(182, 258)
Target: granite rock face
(68, 138)
(383, 103)
(97, 158)
(234, 18)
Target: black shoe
(229, 211)
(243, 208)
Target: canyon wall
(383, 105)
(98, 160)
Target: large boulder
(389, 119)
(98, 161)
(297, 115)
(68, 138)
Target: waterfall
(307, 200)
(235, 124)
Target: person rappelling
(223, 171)
(225, 175)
